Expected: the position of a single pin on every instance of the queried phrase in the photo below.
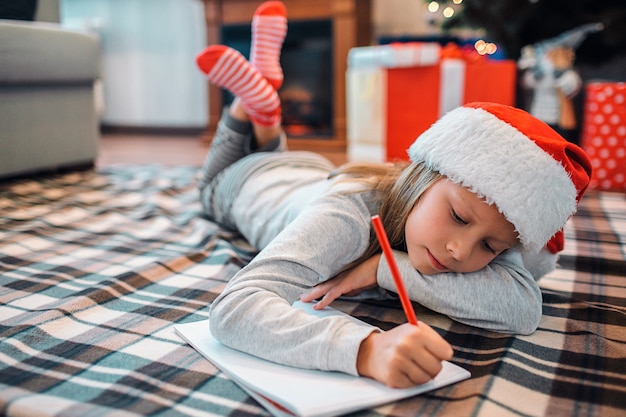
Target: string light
(447, 9)
(447, 12)
(485, 48)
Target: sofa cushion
(41, 52)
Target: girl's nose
(459, 248)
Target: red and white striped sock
(269, 28)
(227, 68)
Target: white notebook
(289, 391)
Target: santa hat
(534, 176)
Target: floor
(116, 148)
(171, 150)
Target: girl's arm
(502, 297)
(254, 312)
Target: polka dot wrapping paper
(604, 134)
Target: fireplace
(314, 59)
(307, 61)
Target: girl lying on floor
(474, 219)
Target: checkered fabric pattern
(97, 267)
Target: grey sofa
(48, 116)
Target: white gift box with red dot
(604, 134)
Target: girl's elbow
(529, 326)
(216, 322)
(526, 320)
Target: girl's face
(451, 229)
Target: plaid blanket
(97, 267)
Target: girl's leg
(263, 135)
(257, 102)
(244, 128)
(252, 122)
(269, 28)
(227, 68)
(236, 138)
(254, 84)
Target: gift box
(366, 88)
(604, 134)
(397, 91)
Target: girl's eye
(458, 218)
(488, 247)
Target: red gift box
(604, 134)
(413, 90)
(418, 96)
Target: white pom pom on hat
(515, 161)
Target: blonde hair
(399, 187)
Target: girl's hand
(350, 282)
(404, 356)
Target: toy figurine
(549, 74)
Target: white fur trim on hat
(476, 149)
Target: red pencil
(395, 272)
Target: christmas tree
(513, 24)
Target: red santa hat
(515, 161)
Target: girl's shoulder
(351, 193)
